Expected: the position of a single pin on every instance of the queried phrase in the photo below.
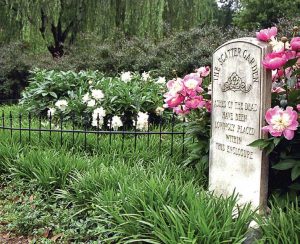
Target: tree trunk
(59, 36)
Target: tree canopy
(56, 23)
(264, 13)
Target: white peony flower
(91, 103)
(182, 118)
(51, 111)
(145, 76)
(99, 112)
(142, 121)
(161, 80)
(159, 110)
(126, 76)
(116, 122)
(90, 82)
(97, 94)
(278, 46)
(98, 123)
(98, 117)
(61, 105)
(86, 98)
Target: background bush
(183, 52)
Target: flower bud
(284, 39)
(283, 103)
(295, 29)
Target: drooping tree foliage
(56, 23)
(227, 9)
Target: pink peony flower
(192, 82)
(208, 106)
(181, 110)
(281, 122)
(295, 44)
(174, 101)
(266, 34)
(277, 74)
(297, 85)
(290, 54)
(288, 72)
(175, 86)
(203, 71)
(298, 107)
(277, 89)
(195, 102)
(275, 60)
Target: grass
(51, 192)
(283, 225)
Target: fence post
(10, 121)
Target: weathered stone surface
(241, 94)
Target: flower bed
(109, 101)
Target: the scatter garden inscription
(241, 94)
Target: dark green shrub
(13, 71)
(183, 52)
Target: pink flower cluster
(281, 122)
(284, 51)
(266, 34)
(184, 94)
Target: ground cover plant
(53, 193)
(111, 196)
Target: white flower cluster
(126, 76)
(116, 123)
(142, 121)
(159, 111)
(91, 100)
(61, 105)
(161, 80)
(145, 76)
(97, 94)
(51, 112)
(277, 46)
(98, 117)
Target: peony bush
(190, 98)
(283, 144)
(95, 100)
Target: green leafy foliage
(284, 160)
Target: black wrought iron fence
(162, 134)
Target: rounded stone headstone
(241, 94)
